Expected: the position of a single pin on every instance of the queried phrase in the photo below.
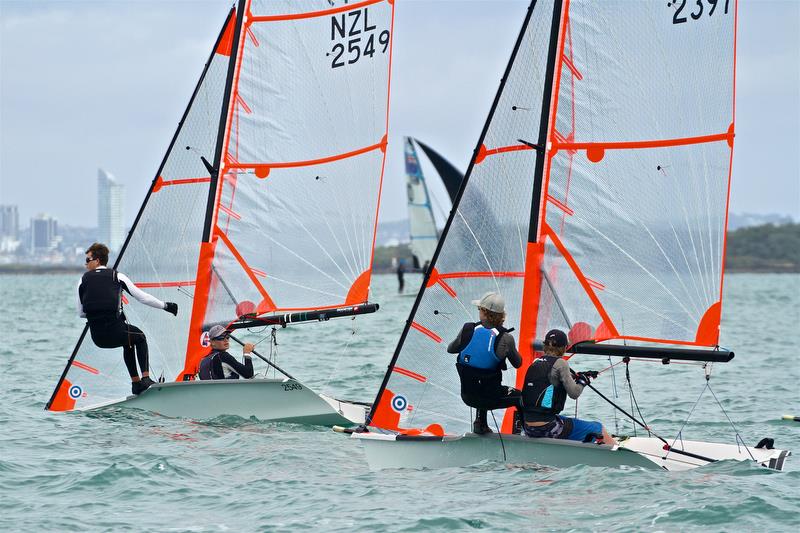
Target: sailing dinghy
(595, 202)
(423, 232)
(262, 213)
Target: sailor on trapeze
(100, 302)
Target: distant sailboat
(596, 201)
(263, 210)
(423, 232)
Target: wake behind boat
(596, 203)
(262, 214)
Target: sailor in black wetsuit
(483, 349)
(548, 382)
(100, 302)
(219, 364)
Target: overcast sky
(103, 84)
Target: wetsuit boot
(479, 426)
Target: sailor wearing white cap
(483, 348)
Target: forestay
(267, 197)
(596, 200)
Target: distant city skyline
(110, 210)
(112, 79)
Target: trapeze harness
(101, 294)
(542, 401)
(478, 366)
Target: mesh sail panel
(638, 188)
(484, 249)
(420, 214)
(297, 203)
(161, 256)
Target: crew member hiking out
(548, 382)
(483, 348)
(99, 299)
(219, 364)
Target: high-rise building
(44, 233)
(110, 206)
(9, 221)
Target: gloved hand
(171, 307)
(583, 378)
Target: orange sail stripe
(560, 205)
(634, 145)
(314, 14)
(249, 271)
(581, 279)
(194, 350)
(426, 331)
(595, 284)
(160, 182)
(230, 212)
(410, 374)
(483, 152)
(482, 275)
(570, 65)
(86, 367)
(310, 162)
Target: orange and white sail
(267, 199)
(596, 200)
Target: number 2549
(355, 51)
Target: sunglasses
(223, 338)
(90, 259)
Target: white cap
(491, 301)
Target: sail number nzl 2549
(354, 38)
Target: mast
(147, 195)
(206, 257)
(535, 249)
(453, 211)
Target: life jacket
(479, 352)
(479, 368)
(211, 368)
(541, 399)
(100, 293)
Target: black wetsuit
(222, 365)
(100, 293)
(482, 388)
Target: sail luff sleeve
(153, 186)
(194, 347)
(531, 288)
(427, 280)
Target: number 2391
(699, 7)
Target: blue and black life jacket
(480, 351)
(100, 293)
(541, 399)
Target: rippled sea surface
(129, 470)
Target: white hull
(280, 400)
(392, 451)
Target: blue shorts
(582, 428)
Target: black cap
(557, 338)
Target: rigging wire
(499, 434)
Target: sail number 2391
(695, 9)
(355, 38)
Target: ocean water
(128, 470)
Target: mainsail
(267, 199)
(596, 199)
(421, 220)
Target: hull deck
(279, 400)
(399, 451)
